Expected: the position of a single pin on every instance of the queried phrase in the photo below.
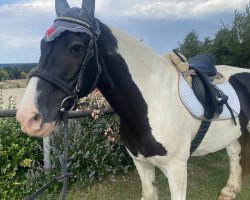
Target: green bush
(95, 152)
(17, 153)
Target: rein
(71, 99)
(63, 158)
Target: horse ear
(61, 6)
(89, 7)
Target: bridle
(72, 96)
(73, 92)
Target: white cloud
(181, 9)
(15, 41)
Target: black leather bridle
(71, 99)
(73, 92)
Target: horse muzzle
(32, 124)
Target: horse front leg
(176, 172)
(147, 175)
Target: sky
(161, 24)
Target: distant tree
(16, 73)
(23, 75)
(3, 74)
(9, 70)
(191, 45)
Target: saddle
(201, 74)
(204, 63)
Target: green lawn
(206, 176)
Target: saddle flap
(204, 63)
(211, 98)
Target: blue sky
(162, 24)
(2, 2)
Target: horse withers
(79, 53)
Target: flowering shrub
(95, 147)
(93, 101)
(95, 152)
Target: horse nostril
(36, 117)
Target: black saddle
(211, 98)
(205, 63)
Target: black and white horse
(142, 87)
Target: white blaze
(27, 113)
(27, 105)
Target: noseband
(73, 92)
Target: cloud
(15, 41)
(181, 9)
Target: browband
(74, 20)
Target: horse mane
(107, 42)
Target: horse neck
(135, 74)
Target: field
(12, 92)
(11, 96)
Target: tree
(226, 47)
(3, 74)
(16, 73)
(9, 71)
(191, 45)
(207, 45)
(241, 26)
(24, 75)
(231, 45)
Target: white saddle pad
(196, 109)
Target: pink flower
(109, 129)
(95, 114)
(111, 139)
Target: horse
(79, 53)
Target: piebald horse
(142, 87)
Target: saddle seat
(201, 75)
(204, 63)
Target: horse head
(68, 68)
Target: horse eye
(76, 48)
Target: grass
(206, 176)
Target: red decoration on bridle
(50, 31)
